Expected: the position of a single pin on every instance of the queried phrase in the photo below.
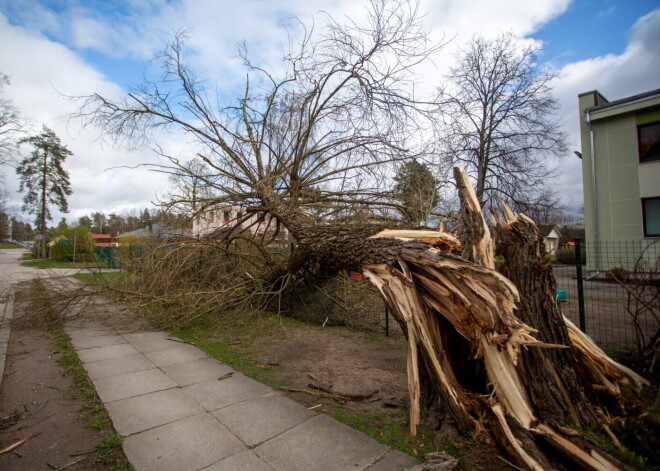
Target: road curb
(7, 312)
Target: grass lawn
(94, 279)
(9, 245)
(47, 263)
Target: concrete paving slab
(114, 366)
(114, 388)
(104, 353)
(83, 332)
(394, 460)
(263, 417)
(244, 461)
(179, 354)
(185, 445)
(97, 341)
(214, 394)
(321, 444)
(140, 413)
(148, 342)
(196, 371)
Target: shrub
(62, 249)
(565, 255)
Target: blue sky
(591, 28)
(80, 47)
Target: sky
(56, 49)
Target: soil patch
(298, 355)
(344, 361)
(35, 396)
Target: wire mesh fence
(613, 292)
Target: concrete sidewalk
(166, 400)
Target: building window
(648, 137)
(651, 216)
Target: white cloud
(41, 72)
(41, 67)
(488, 18)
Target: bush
(62, 249)
(345, 301)
(567, 255)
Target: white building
(226, 217)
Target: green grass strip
(55, 264)
(109, 451)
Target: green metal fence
(618, 304)
(107, 255)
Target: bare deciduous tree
(11, 127)
(11, 124)
(192, 188)
(341, 111)
(500, 123)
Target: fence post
(580, 285)
(387, 321)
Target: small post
(580, 285)
(387, 321)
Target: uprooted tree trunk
(495, 349)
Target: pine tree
(44, 178)
(417, 189)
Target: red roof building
(102, 240)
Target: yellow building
(621, 175)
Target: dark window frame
(644, 200)
(653, 158)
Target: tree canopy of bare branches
(319, 132)
(11, 124)
(500, 123)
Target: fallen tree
(490, 349)
(533, 376)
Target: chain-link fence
(612, 291)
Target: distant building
(621, 173)
(219, 221)
(155, 232)
(103, 240)
(551, 237)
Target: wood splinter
(350, 397)
(20, 442)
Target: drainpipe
(594, 197)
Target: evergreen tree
(99, 222)
(146, 220)
(417, 189)
(85, 221)
(44, 178)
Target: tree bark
(551, 376)
(44, 184)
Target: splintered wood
(480, 304)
